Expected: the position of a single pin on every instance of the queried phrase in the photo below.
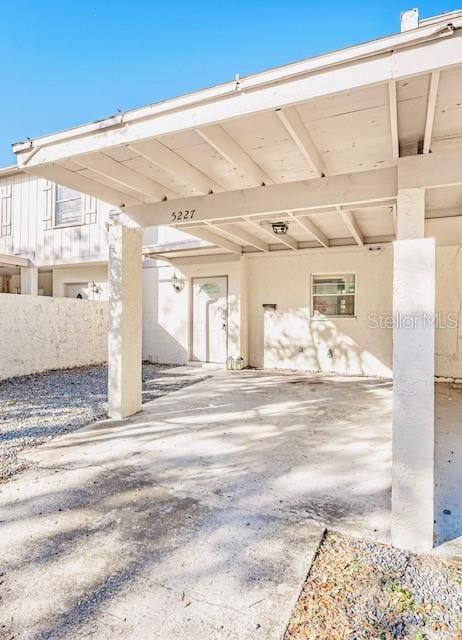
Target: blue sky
(65, 63)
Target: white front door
(210, 319)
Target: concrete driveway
(199, 517)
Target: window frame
(335, 274)
(64, 225)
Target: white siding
(27, 227)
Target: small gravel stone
(39, 407)
(359, 590)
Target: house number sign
(187, 214)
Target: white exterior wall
(166, 314)
(448, 338)
(39, 333)
(290, 338)
(73, 275)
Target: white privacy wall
(39, 333)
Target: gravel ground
(358, 590)
(36, 408)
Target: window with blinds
(68, 207)
(334, 295)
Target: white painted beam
(74, 180)
(226, 146)
(7, 260)
(315, 194)
(431, 107)
(431, 170)
(284, 238)
(214, 238)
(158, 154)
(244, 236)
(411, 218)
(124, 176)
(295, 127)
(306, 223)
(272, 237)
(393, 107)
(352, 226)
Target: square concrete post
(125, 321)
(413, 377)
(29, 281)
(244, 309)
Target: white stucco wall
(41, 333)
(289, 337)
(166, 314)
(448, 339)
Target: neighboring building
(62, 232)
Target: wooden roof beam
(393, 106)
(227, 147)
(306, 223)
(161, 156)
(431, 108)
(244, 236)
(295, 127)
(126, 177)
(352, 225)
(284, 238)
(203, 233)
(75, 180)
(303, 195)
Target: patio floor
(199, 517)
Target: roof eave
(432, 28)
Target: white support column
(29, 281)
(125, 321)
(413, 371)
(244, 309)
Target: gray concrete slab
(197, 518)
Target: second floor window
(68, 207)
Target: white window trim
(66, 225)
(334, 274)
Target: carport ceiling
(347, 112)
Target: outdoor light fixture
(280, 228)
(177, 284)
(95, 289)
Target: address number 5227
(187, 214)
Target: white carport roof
(315, 143)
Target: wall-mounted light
(95, 289)
(280, 228)
(177, 283)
